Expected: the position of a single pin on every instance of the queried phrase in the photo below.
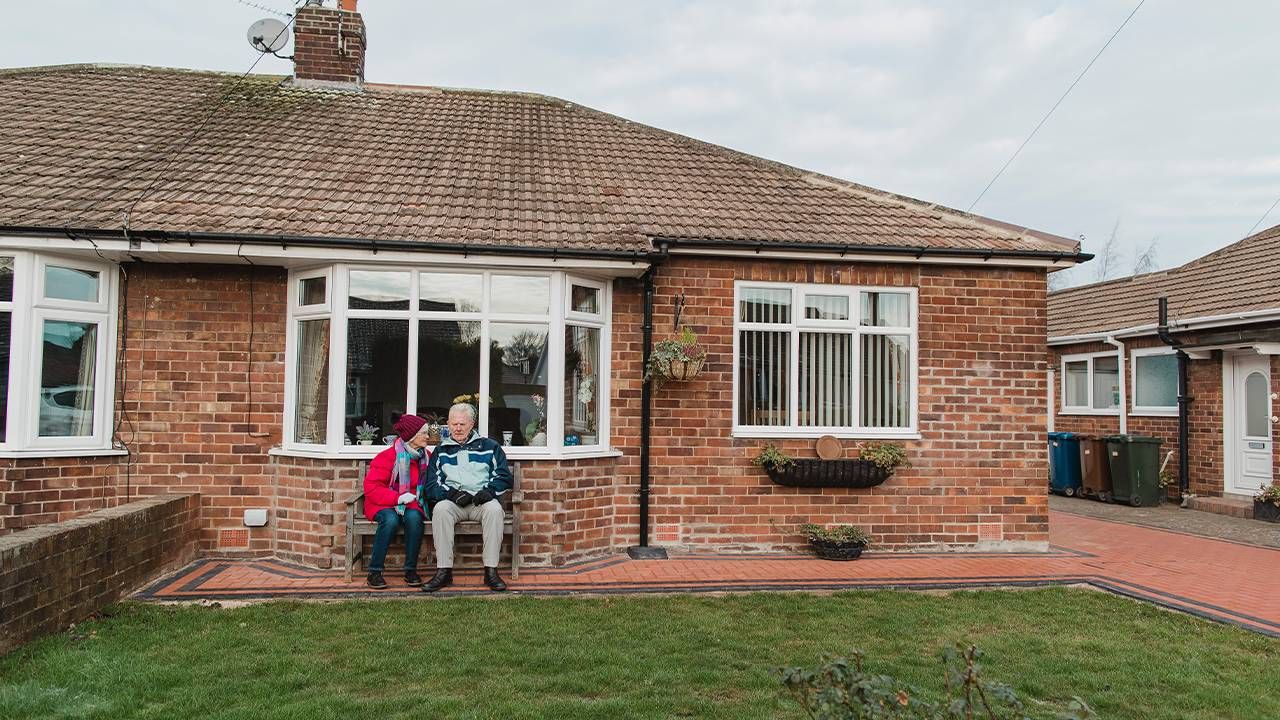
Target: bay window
(57, 327)
(527, 349)
(818, 359)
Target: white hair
(467, 408)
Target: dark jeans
(388, 523)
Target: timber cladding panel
(61, 573)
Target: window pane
(886, 380)
(377, 373)
(826, 307)
(1106, 382)
(518, 382)
(6, 278)
(450, 292)
(312, 403)
(764, 361)
(582, 384)
(584, 299)
(524, 294)
(1157, 383)
(765, 305)
(826, 379)
(1256, 405)
(1077, 382)
(376, 290)
(68, 365)
(886, 309)
(311, 291)
(448, 365)
(64, 283)
(5, 346)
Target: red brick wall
(319, 54)
(1205, 446)
(58, 574)
(199, 416)
(979, 466)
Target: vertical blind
(841, 372)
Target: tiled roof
(1241, 277)
(80, 144)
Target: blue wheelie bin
(1064, 463)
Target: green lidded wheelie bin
(1064, 464)
(1135, 469)
(1095, 471)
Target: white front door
(1248, 410)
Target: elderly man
(466, 475)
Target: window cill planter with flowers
(676, 359)
(365, 433)
(875, 463)
(839, 542)
(1266, 503)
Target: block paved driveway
(1221, 580)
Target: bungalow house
(208, 284)
(1116, 374)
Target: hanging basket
(837, 552)
(853, 473)
(1270, 512)
(681, 369)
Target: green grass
(632, 657)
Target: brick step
(1241, 507)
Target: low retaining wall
(54, 575)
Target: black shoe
(493, 581)
(375, 581)
(412, 578)
(442, 578)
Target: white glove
(406, 498)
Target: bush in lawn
(841, 689)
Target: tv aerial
(269, 35)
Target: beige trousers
(446, 515)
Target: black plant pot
(834, 551)
(1266, 511)
(854, 473)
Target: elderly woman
(391, 498)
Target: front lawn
(631, 657)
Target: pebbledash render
(218, 311)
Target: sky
(1169, 139)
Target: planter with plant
(839, 542)
(676, 358)
(365, 433)
(876, 461)
(1266, 503)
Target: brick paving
(1220, 580)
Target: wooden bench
(358, 527)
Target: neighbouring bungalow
(210, 284)
(1116, 373)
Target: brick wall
(979, 469)
(37, 491)
(1205, 435)
(328, 45)
(57, 574)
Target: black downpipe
(1184, 399)
(644, 551)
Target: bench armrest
(354, 498)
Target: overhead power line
(1055, 106)
(1264, 217)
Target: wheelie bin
(1095, 471)
(1135, 469)
(1064, 464)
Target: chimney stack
(328, 46)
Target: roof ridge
(1111, 281)
(35, 69)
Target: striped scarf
(401, 479)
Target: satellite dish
(268, 35)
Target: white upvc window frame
(1064, 408)
(851, 326)
(29, 311)
(1150, 410)
(556, 318)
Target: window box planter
(1268, 511)
(855, 473)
